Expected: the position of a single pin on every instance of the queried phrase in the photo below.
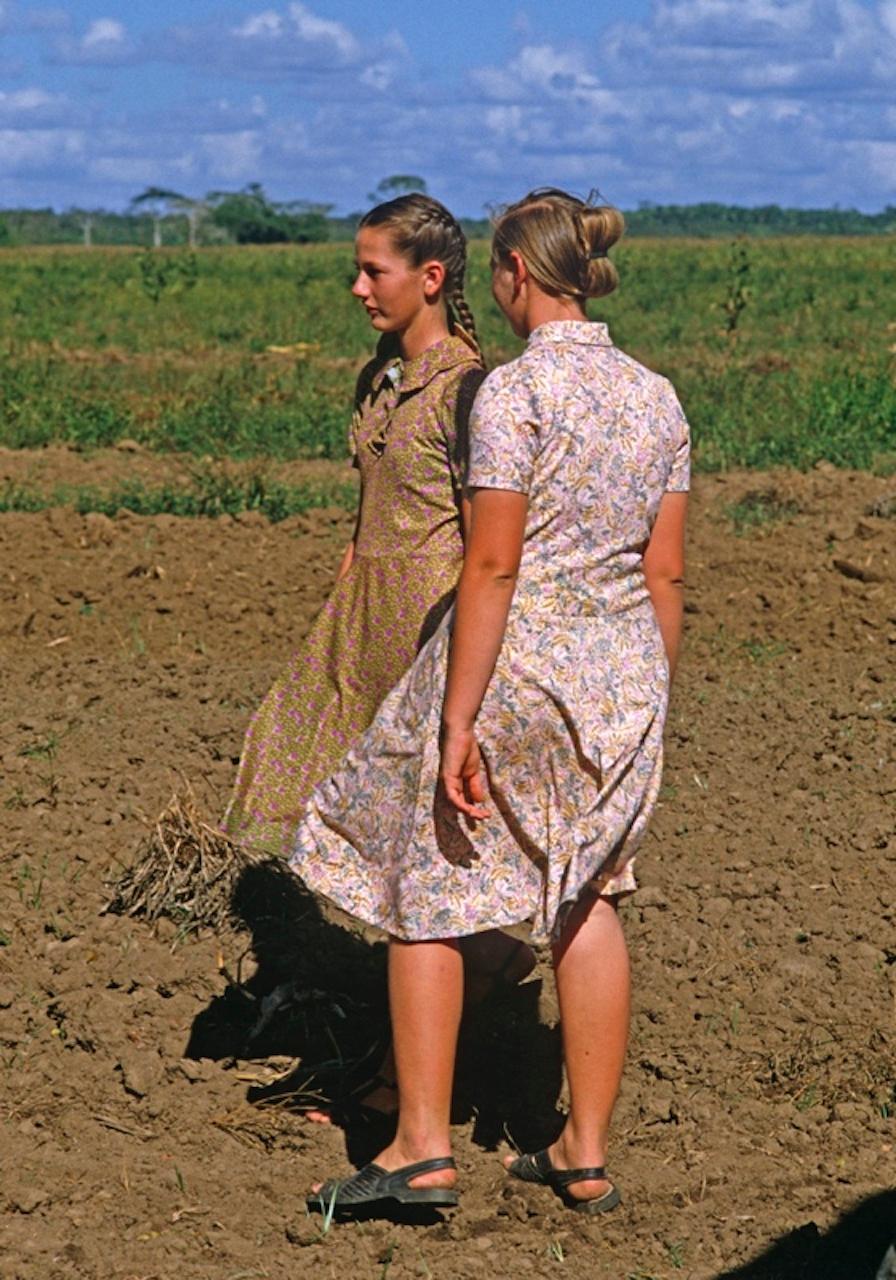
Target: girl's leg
(593, 986)
(426, 1001)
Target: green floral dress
(409, 443)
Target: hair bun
(563, 240)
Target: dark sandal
(539, 1168)
(375, 1185)
(353, 1113)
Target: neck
(542, 308)
(429, 326)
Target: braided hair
(423, 230)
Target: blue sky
(746, 101)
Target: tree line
(159, 216)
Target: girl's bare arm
(487, 582)
(664, 571)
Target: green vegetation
(208, 495)
(157, 216)
(780, 349)
(760, 507)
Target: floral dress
(409, 441)
(571, 724)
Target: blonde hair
(562, 240)
(423, 230)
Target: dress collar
(590, 332)
(411, 375)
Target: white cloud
(277, 41)
(267, 24)
(43, 151)
(747, 100)
(322, 31)
(103, 32)
(105, 42)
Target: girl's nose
(359, 288)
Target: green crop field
(782, 350)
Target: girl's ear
(519, 270)
(433, 279)
(518, 267)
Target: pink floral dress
(571, 724)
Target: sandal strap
(374, 1182)
(538, 1167)
(563, 1178)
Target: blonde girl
(508, 779)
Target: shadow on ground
(318, 994)
(853, 1249)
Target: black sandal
(539, 1168)
(375, 1185)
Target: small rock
(857, 572)
(714, 909)
(28, 1199)
(884, 507)
(129, 446)
(7, 997)
(140, 1071)
(652, 897)
(303, 1232)
(252, 519)
(194, 1071)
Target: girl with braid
(398, 574)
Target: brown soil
(759, 1095)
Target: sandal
(352, 1111)
(375, 1185)
(539, 1168)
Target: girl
(557, 662)
(400, 569)
(399, 572)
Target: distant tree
(249, 217)
(87, 221)
(194, 211)
(158, 202)
(399, 184)
(5, 237)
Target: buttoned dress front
(571, 724)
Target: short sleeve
(504, 438)
(679, 437)
(457, 405)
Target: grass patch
(259, 355)
(760, 507)
(207, 495)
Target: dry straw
(184, 869)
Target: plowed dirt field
(758, 1107)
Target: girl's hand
(462, 772)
